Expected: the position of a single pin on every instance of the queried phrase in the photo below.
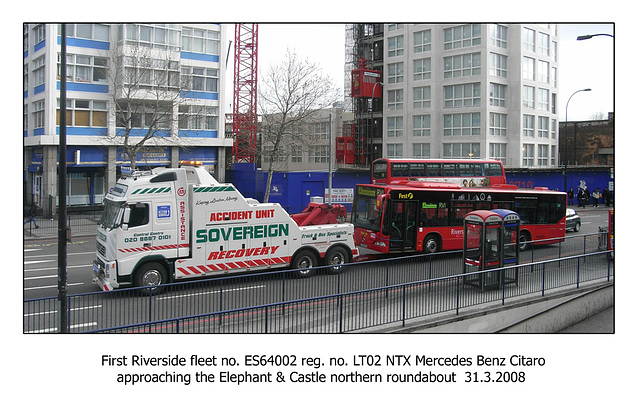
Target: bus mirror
(380, 201)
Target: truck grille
(101, 249)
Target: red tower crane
(245, 95)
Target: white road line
(51, 286)
(55, 268)
(80, 325)
(56, 311)
(212, 292)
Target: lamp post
(566, 136)
(586, 37)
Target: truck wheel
(431, 244)
(336, 257)
(151, 274)
(304, 262)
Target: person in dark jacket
(31, 215)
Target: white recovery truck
(173, 224)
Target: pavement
(601, 322)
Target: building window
(422, 97)
(462, 95)
(197, 117)
(498, 36)
(554, 51)
(543, 127)
(98, 32)
(394, 151)
(201, 41)
(84, 113)
(554, 77)
(296, 153)
(396, 73)
(497, 95)
(462, 36)
(199, 79)
(498, 65)
(554, 128)
(160, 36)
(543, 43)
(527, 155)
(422, 69)
(498, 124)
(395, 46)
(461, 150)
(528, 68)
(422, 41)
(462, 65)
(543, 71)
(395, 99)
(39, 33)
(421, 125)
(553, 155)
(529, 39)
(421, 151)
(543, 155)
(38, 71)
(528, 97)
(528, 125)
(543, 99)
(460, 124)
(498, 151)
(85, 69)
(38, 114)
(394, 126)
(318, 154)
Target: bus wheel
(304, 262)
(431, 244)
(151, 274)
(336, 257)
(524, 238)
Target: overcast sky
(583, 64)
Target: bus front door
(404, 222)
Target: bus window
(433, 170)
(449, 169)
(379, 170)
(459, 210)
(400, 170)
(542, 216)
(416, 169)
(526, 208)
(492, 170)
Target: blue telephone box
(491, 242)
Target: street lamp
(586, 37)
(566, 136)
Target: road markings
(51, 286)
(212, 292)
(56, 311)
(55, 268)
(52, 330)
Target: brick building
(587, 143)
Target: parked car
(573, 220)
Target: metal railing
(357, 310)
(78, 223)
(109, 310)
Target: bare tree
(290, 94)
(146, 93)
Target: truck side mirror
(125, 218)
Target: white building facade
(471, 90)
(175, 53)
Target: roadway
(40, 279)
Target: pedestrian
(581, 197)
(570, 194)
(596, 197)
(606, 195)
(587, 196)
(31, 215)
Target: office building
(453, 91)
(166, 79)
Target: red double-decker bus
(463, 172)
(414, 216)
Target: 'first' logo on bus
(405, 195)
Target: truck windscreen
(111, 215)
